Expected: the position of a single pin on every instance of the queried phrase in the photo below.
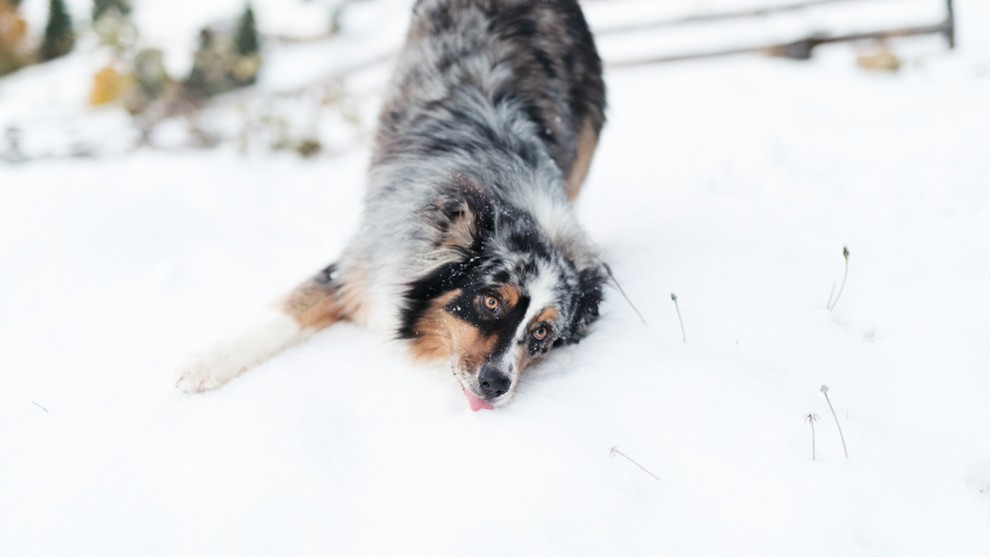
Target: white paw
(209, 372)
(260, 340)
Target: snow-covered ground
(734, 183)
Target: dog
(469, 250)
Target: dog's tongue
(476, 403)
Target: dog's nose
(493, 382)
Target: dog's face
(502, 296)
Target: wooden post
(950, 24)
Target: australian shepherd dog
(469, 250)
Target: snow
(734, 183)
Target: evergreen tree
(101, 7)
(59, 37)
(246, 36)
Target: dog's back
(534, 57)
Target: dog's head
(502, 292)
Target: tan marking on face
(524, 360)
(440, 334)
(316, 306)
(582, 160)
(470, 346)
(433, 340)
(509, 295)
(549, 315)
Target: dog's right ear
(463, 216)
(589, 297)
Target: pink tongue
(476, 403)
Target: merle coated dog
(469, 248)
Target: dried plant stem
(837, 426)
(681, 321)
(623, 292)
(615, 451)
(845, 274)
(811, 419)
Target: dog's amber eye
(540, 332)
(490, 303)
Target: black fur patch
(587, 299)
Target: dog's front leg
(313, 305)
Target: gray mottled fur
(456, 85)
(486, 132)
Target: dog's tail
(315, 304)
